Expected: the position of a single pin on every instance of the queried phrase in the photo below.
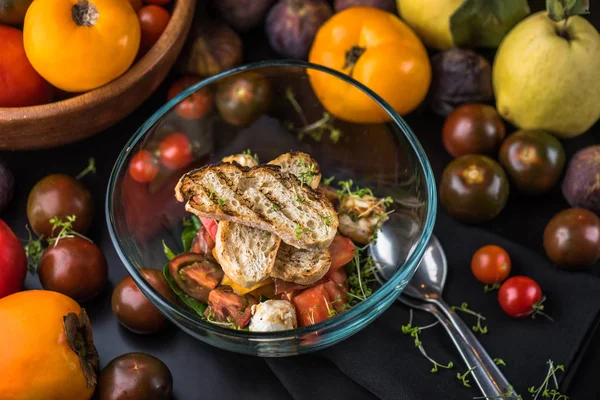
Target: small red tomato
(520, 297)
(175, 151)
(153, 21)
(13, 262)
(195, 106)
(143, 167)
(20, 84)
(491, 264)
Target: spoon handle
(492, 379)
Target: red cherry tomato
(143, 166)
(153, 21)
(175, 151)
(197, 105)
(342, 251)
(520, 296)
(13, 262)
(491, 264)
(20, 84)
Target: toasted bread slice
(246, 254)
(262, 197)
(301, 165)
(245, 160)
(303, 267)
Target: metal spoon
(427, 285)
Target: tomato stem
(85, 13)
(490, 288)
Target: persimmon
(47, 348)
(79, 45)
(378, 50)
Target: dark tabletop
(228, 375)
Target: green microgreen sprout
(499, 362)
(221, 202)
(299, 231)
(33, 250)
(510, 394)
(327, 181)
(327, 219)
(315, 130)
(490, 288)
(414, 332)
(361, 274)
(543, 390)
(463, 377)
(90, 169)
(276, 207)
(464, 307)
(248, 152)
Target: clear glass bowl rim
(404, 273)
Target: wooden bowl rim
(115, 87)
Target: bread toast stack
(272, 220)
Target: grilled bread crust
(262, 197)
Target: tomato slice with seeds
(342, 251)
(312, 305)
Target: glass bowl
(384, 156)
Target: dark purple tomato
(195, 274)
(133, 309)
(244, 97)
(473, 129)
(534, 160)
(59, 196)
(572, 238)
(134, 376)
(474, 188)
(74, 267)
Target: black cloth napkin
(381, 362)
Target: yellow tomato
(378, 50)
(81, 45)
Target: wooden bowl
(73, 119)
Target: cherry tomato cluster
(174, 152)
(519, 296)
(154, 18)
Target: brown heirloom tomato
(244, 97)
(474, 188)
(75, 267)
(473, 129)
(534, 160)
(134, 376)
(133, 309)
(572, 238)
(59, 196)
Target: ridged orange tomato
(380, 51)
(81, 45)
(46, 348)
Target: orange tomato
(378, 50)
(81, 45)
(42, 352)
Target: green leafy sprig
(464, 377)
(414, 332)
(543, 390)
(90, 169)
(479, 328)
(315, 130)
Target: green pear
(546, 75)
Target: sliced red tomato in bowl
(312, 305)
(337, 295)
(211, 226)
(342, 251)
(338, 276)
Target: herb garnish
(300, 231)
(499, 362)
(360, 274)
(90, 169)
(464, 307)
(327, 181)
(414, 332)
(33, 250)
(248, 152)
(191, 226)
(221, 202)
(276, 207)
(543, 389)
(345, 189)
(327, 219)
(463, 377)
(315, 130)
(308, 173)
